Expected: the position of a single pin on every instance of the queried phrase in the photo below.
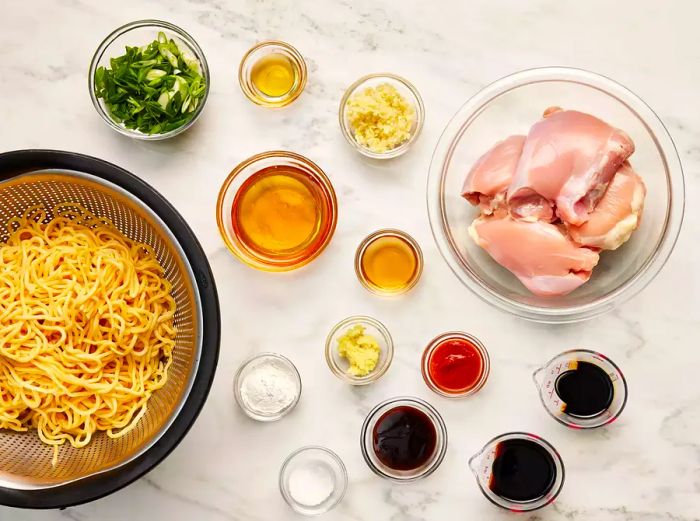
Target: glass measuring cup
(546, 379)
(481, 465)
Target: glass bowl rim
(110, 39)
(664, 144)
(368, 240)
(378, 372)
(438, 340)
(296, 56)
(440, 429)
(417, 103)
(315, 171)
(340, 466)
(237, 388)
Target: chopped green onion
(154, 88)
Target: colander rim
(21, 162)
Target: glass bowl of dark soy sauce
(582, 389)
(518, 471)
(403, 439)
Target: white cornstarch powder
(268, 386)
(311, 483)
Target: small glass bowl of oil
(277, 211)
(272, 74)
(388, 262)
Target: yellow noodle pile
(86, 327)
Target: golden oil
(274, 75)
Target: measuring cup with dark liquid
(582, 389)
(518, 471)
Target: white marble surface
(646, 467)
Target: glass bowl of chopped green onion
(149, 80)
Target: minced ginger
(380, 118)
(360, 349)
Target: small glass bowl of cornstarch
(267, 387)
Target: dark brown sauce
(522, 471)
(404, 438)
(587, 390)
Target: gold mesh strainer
(25, 462)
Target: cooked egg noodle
(86, 327)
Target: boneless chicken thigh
(567, 160)
(545, 260)
(552, 200)
(617, 214)
(488, 179)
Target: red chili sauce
(455, 365)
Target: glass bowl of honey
(277, 211)
(388, 262)
(272, 74)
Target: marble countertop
(646, 467)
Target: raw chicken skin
(490, 176)
(617, 214)
(545, 260)
(567, 160)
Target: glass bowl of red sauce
(455, 365)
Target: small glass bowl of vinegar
(277, 211)
(388, 262)
(272, 74)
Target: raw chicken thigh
(490, 176)
(551, 200)
(545, 260)
(617, 214)
(567, 161)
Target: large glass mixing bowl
(510, 106)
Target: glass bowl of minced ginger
(359, 350)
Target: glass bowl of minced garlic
(381, 115)
(359, 350)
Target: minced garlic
(380, 118)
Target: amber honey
(389, 262)
(282, 216)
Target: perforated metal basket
(27, 477)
